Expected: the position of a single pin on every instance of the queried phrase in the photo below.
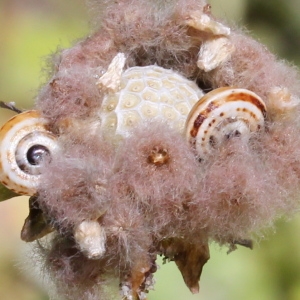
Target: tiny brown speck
(158, 156)
(212, 141)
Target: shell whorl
(147, 93)
(221, 114)
(24, 142)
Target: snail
(222, 114)
(145, 93)
(282, 103)
(25, 143)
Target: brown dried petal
(189, 258)
(36, 225)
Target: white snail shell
(281, 102)
(221, 114)
(24, 142)
(147, 93)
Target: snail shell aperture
(25, 142)
(221, 114)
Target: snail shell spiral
(25, 142)
(221, 114)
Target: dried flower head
(140, 166)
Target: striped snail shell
(221, 114)
(25, 142)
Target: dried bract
(141, 162)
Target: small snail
(221, 114)
(25, 142)
(282, 102)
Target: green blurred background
(32, 29)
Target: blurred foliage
(6, 193)
(31, 30)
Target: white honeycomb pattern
(149, 93)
